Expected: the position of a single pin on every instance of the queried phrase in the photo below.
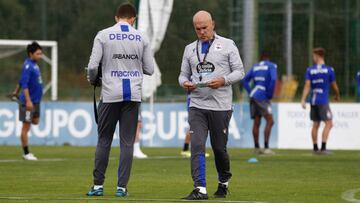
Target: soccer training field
(64, 174)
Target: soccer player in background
(137, 150)
(264, 75)
(318, 79)
(185, 151)
(32, 90)
(210, 65)
(121, 86)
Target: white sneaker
(139, 154)
(268, 152)
(30, 157)
(258, 151)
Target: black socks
(323, 146)
(26, 150)
(316, 147)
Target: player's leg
(269, 124)
(137, 150)
(185, 151)
(267, 132)
(108, 117)
(128, 127)
(35, 121)
(314, 116)
(25, 117)
(219, 130)
(326, 116)
(198, 133)
(138, 130)
(267, 113)
(325, 134)
(256, 116)
(314, 135)
(264, 109)
(255, 132)
(36, 114)
(24, 136)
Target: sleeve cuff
(227, 82)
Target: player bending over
(264, 76)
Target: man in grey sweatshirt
(209, 67)
(125, 56)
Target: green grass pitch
(64, 174)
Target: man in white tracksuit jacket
(210, 65)
(125, 55)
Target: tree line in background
(74, 24)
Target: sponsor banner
(295, 127)
(73, 123)
(60, 123)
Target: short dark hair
(319, 51)
(126, 10)
(265, 55)
(33, 47)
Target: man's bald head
(202, 16)
(204, 25)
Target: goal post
(53, 61)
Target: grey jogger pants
(126, 113)
(217, 123)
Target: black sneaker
(196, 195)
(221, 191)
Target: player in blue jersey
(318, 79)
(30, 97)
(358, 86)
(264, 75)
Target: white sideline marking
(111, 158)
(350, 195)
(21, 160)
(166, 157)
(125, 199)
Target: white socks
(226, 184)
(202, 190)
(136, 146)
(121, 188)
(96, 187)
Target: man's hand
(337, 97)
(29, 105)
(216, 83)
(303, 104)
(189, 86)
